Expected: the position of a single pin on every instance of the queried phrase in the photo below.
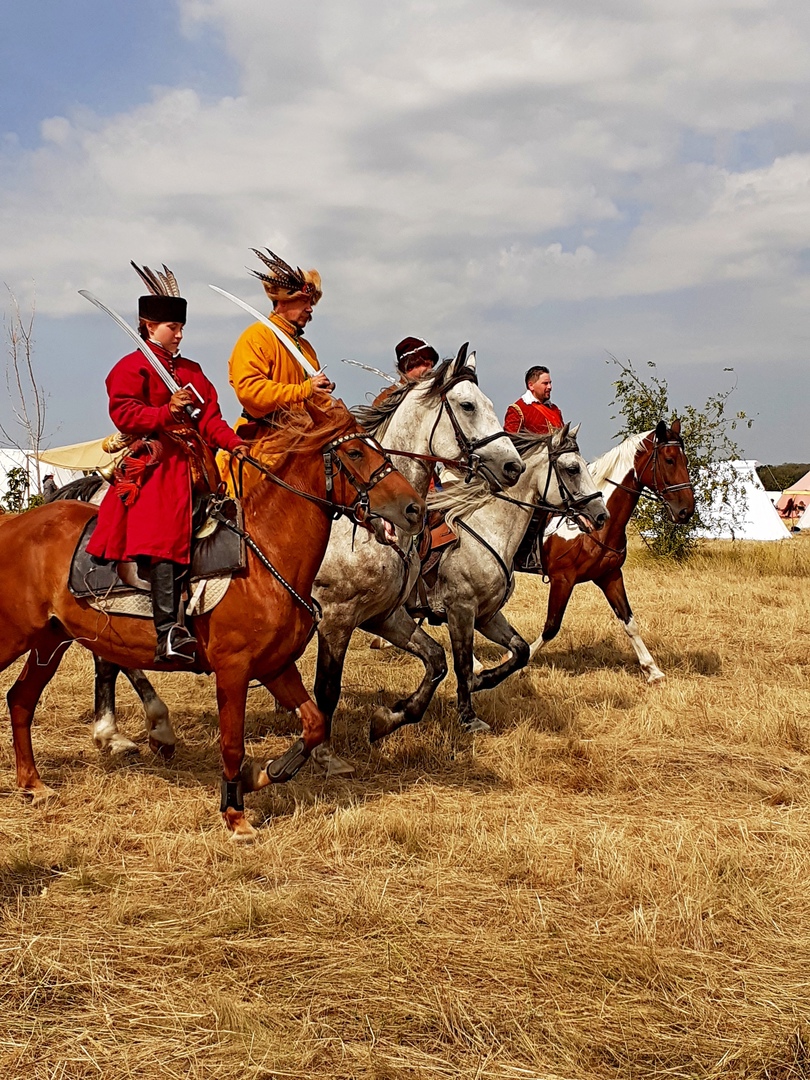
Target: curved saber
(368, 367)
(285, 339)
(172, 385)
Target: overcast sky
(554, 182)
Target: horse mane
(302, 431)
(458, 500)
(619, 460)
(375, 418)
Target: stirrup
(178, 647)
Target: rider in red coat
(534, 411)
(146, 514)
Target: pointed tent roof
(761, 520)
(799, 492)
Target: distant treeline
(779, 477)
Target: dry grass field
(615, 884)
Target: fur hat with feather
(164, 302)
(282, 281)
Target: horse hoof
(328, 764)
(118, 746)
(240, 831)
(476, 726)
(383, 722)
(165, 750)
(40, 795)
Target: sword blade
(285, 339)
(368, 367)
(159, 369)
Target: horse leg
(46, 654)
(332, 648)
(612, 585)
(232, 686)
(558, 596)
(289, 691)
(401, 630)
(162, 739)
(106, 735)
(501, 632)
(461, 623)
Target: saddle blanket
(117, 589)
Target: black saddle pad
(223, 552)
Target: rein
(332, 465)
(469, 461)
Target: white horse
(363, 584)
(475, 578)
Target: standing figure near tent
(146, 513)
(266, 374)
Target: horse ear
(572, 434)
(675, 427)
(564, 432)
(661, 431)
(461, 358)
(471, 361)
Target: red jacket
(533, 417)
(158, 523)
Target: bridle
(571, 504)
(470, 461)
(359, 511)
(655, 490)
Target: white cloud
(429, 154)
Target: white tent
(760, 519)
(12, 458)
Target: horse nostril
(413, 512)
(513, 469)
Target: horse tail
(82, 489)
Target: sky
(555, 183)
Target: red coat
(158, 523)
(532, 417)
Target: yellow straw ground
(615, 884)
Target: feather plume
(283, 274)
(158, 284)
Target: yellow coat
(264, 374)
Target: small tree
(641, 403)
(26, 397)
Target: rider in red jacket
(146, 514)
(534, 412)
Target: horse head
(575, 491)
(661, 466)
(466, 427)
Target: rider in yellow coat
(265, 374)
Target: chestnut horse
(654, 461)
(257, 631)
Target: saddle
(437, 538)
(217, 553)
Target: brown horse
(257, 631)
(654, 460)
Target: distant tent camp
(760, 520)
(796, 494)
(12, 458)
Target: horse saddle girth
(218, 553)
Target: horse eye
(573, 469)
(468, 406)
(355, 455)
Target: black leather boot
(175, 645)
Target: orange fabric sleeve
(264, 374)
